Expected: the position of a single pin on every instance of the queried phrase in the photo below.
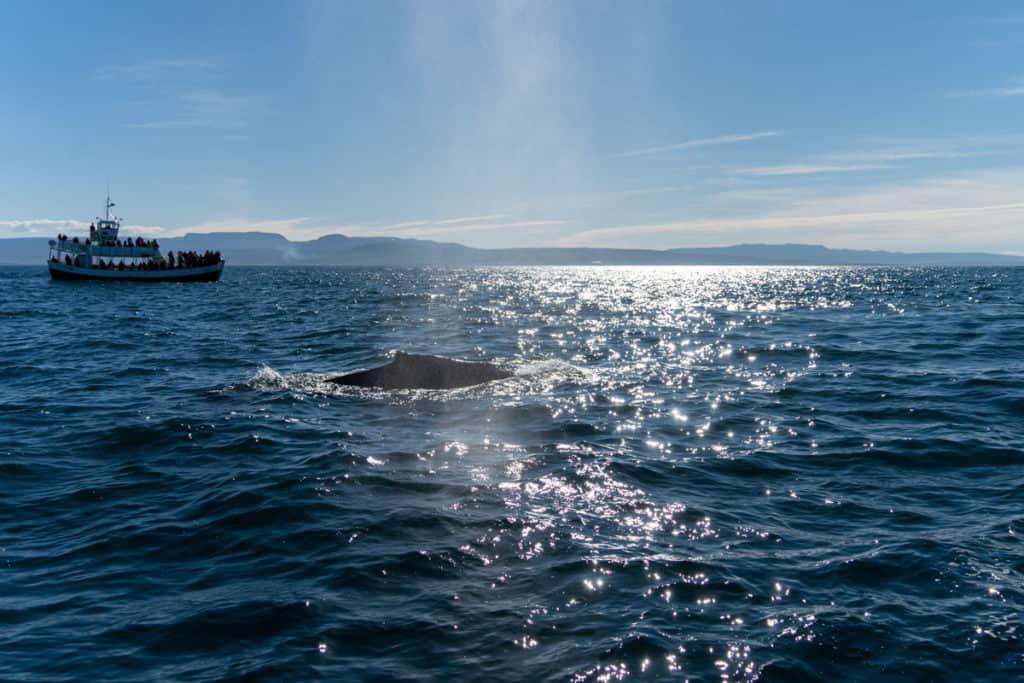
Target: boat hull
(61, 271)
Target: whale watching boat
(105, 256)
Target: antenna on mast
(110, 204)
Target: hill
(271, 249)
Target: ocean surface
(703, 474)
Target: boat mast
(109, 203)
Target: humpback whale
(415, 371)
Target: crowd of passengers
(121, 265)
(184, 259)
(137, 242)
(192, 259)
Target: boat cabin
(104, 231)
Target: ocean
(697, 473)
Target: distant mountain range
(271, 249)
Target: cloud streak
(956, 212)
(183, 92)
(33, 227)
(850, 162)
(448, 221)
(886, 156)
(153, 70)
(806, 169)
(441, 228)
(853, 219)
(208, 108)
(448, 226)
(1014, 88)
(701, 142)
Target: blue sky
(520, 123)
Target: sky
(506, 124)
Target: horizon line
(732, 245)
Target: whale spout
(415, 371)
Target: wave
(724, 474)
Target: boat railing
(80, 247)
(69, 246)
(125, 252)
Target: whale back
(418, 371)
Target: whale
(417, 371)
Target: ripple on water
(723, 474)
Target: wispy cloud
(894, 155)
(1012, 88)
(184, 92)
(851, 162)
(702, 142)
(841, 220)
(468, 226)
(440, 228)
(470, 219)
(159, 70)
(956, 212)
(208, 108)
(642, 192)
(33, 227)
(806, 169)
(406, 225)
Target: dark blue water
(712, 474)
